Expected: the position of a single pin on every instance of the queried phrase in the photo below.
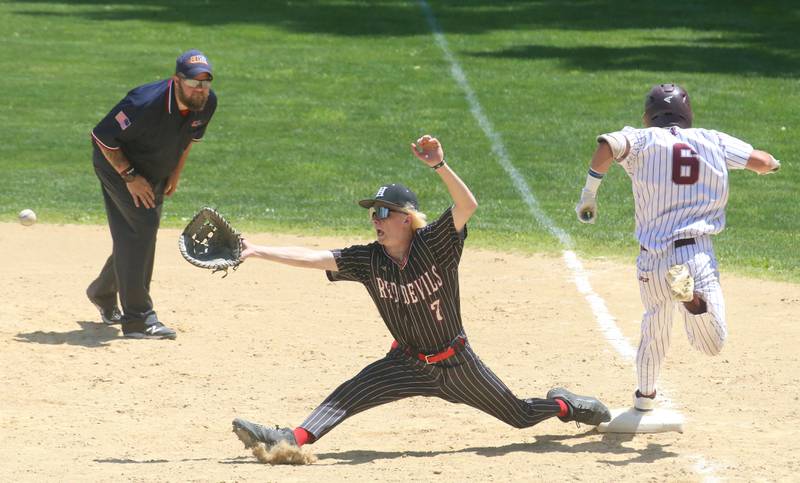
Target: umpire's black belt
(454, 348)
(677, 243)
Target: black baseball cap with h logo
(392, 195)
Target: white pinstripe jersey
(679, 179)
(418, 300)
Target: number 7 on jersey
(436, 308)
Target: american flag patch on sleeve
(122, 120)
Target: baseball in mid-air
(27, 217)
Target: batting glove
(586, 209)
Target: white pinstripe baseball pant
(462, 378)
(706, 332)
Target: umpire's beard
(195, 101)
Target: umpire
(139, 150)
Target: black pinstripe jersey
(418, 300)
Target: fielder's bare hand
(142, 192)
(428, 150)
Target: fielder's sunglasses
(194, 83)
(381, 212)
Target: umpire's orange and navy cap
(193, 63)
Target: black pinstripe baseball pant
(462, 379)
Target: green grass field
(318, 101)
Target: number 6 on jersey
(685, 165)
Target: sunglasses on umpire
(194, 83)
(381, 212)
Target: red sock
(302, 436)
(564, 408)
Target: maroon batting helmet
(667, 105)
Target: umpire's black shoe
(251, 434)
(583, 409)
(153, 331)
(109, 316)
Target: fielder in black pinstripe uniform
(411, 273)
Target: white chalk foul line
(598, 306)
(604, 318)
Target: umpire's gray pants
(462, 378)
(128, 270)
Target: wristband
(128, 175)
(593, 180)
(438, 165)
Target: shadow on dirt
(90, 334)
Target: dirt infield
(80, 403)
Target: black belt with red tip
(454, 348)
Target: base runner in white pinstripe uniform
(411, 273)
(679, 177)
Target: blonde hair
(418, 218)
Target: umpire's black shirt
(149, 128)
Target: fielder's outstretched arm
(762, 162)
(294, 256)
(432, 154)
